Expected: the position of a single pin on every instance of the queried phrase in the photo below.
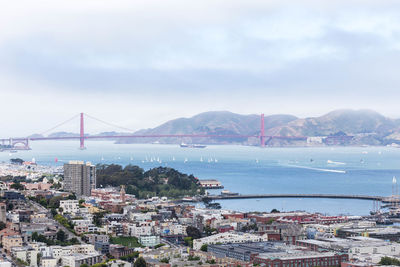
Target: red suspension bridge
(22, 143)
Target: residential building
(4, 263)
(245, 251)
(26, 254)
(3, 213)
(301, 258)
(150, 240)
(69, 206)
(77, 259)
(10, 242)
(48, 262)
(79, 177)
(118, 251)
(93, 238)
(227, 238)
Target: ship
(192, 145)
(228, 193)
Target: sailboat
(201, 159)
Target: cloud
(185, 57)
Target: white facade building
(228, 237)
(69, 206)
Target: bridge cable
(60, 124)
(110, 124)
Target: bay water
(251, 170)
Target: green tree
(72, 197)
(165, 260)
(97, 218)
(35, 236)
(54, 202)
(17, 186)
(2, 225)
(389, 261)
(17, 161)
(193, 232)
(61, 236)
(10, 206)
(204, 247)
(53, 212)
(140, 262)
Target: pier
(335, 196)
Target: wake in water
(335, 162)
(316, 169)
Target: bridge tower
(82, 134)
(262, 132)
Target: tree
(53, 212)
(209, 231)
(17, 186)
(275, 211)
(188, 241)
(38, 257)
(74, 241)
(35, 236)
(130, 257)
(389, 261)
(193, 232)
(61, 236)
(164, 260)
(2, 226)
(17, 161)
(72, 197)
(54, 202)
(84, 265)
(97, 218)
(204, 247)
(140, 262)
(10, 206)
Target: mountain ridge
(338, 127)
(367, 127)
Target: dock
(335, 196)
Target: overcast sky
(140, 63)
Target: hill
(212, 123)
(366, 126)
(160, 181)
(339, 127)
